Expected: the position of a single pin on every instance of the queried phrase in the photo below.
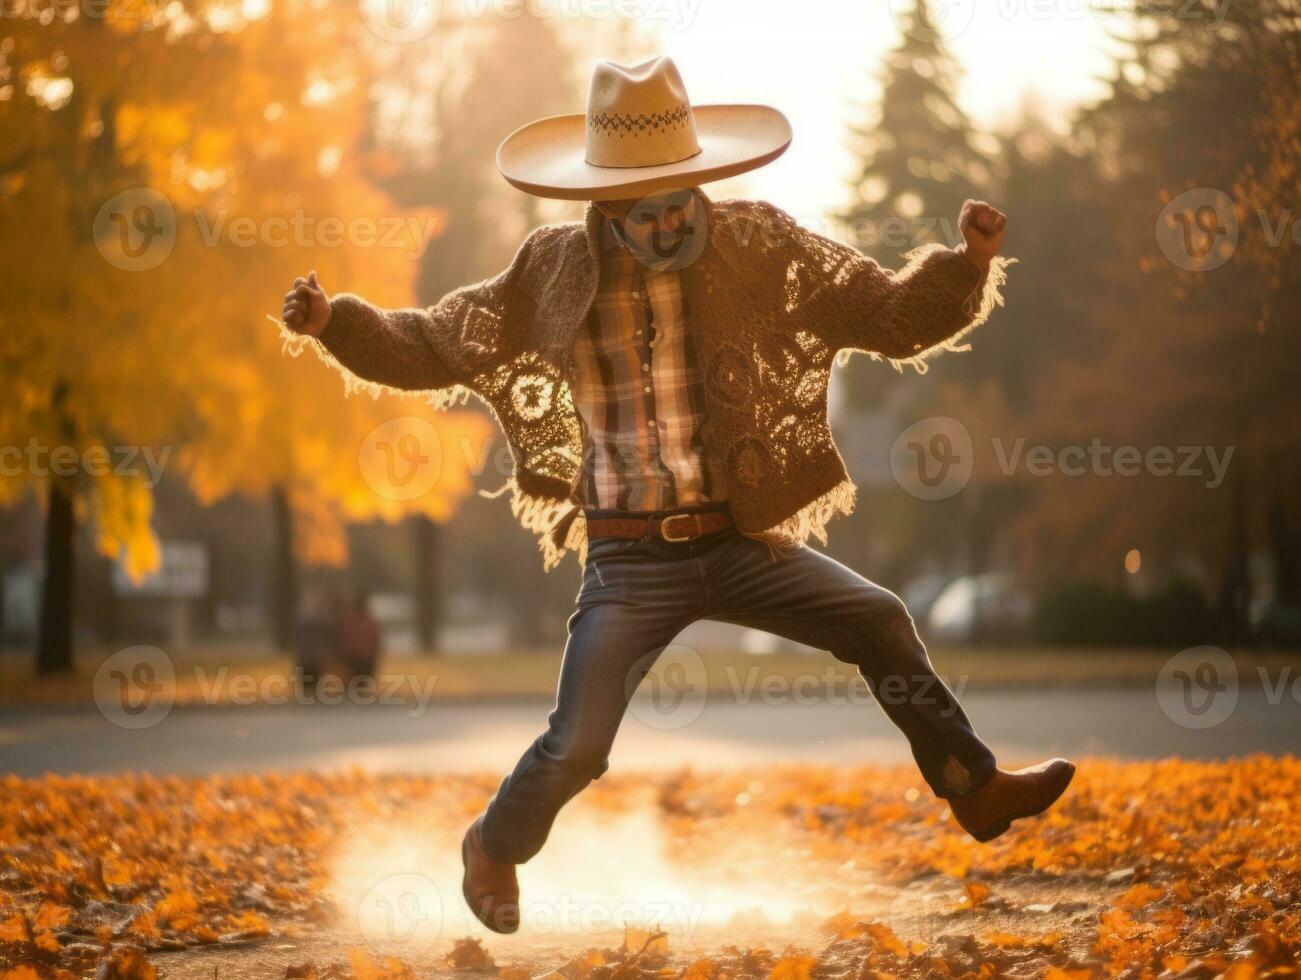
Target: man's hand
(307, 308)
(982, 228)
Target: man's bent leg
(812, 599)
(633, 602)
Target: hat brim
(545, 158)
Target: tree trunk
(54, 646)
(1285, 545)
(429, 593)
(284, 585)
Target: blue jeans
(637, 595)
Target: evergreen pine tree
(920, 158)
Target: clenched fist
(982, 228)
(307, 308)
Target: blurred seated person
(317, 637)
(359, 638)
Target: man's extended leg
(810, 598)
(635, 598)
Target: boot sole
(465, 894)
(987, 834)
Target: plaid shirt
(639, 392)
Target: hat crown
(639, 116)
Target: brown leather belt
(670, 527)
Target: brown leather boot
(989, 811)
(490, 887)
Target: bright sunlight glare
(818, 61)
(603, 872)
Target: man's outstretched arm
(412, 349)
(940, 293)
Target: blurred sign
(22, 599)
(183, 574)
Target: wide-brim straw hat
(640, 135)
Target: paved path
(468, 736)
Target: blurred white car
(919, 595)
(981, 607)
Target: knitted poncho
(772, 305)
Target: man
(660, 372)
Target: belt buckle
(678, 539)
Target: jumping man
(660, 372)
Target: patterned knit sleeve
(440, 348)
(927, 305)
(413, 349)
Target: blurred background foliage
(270, 108)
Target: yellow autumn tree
(90, 359)
(291, 194)
(164, 211)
